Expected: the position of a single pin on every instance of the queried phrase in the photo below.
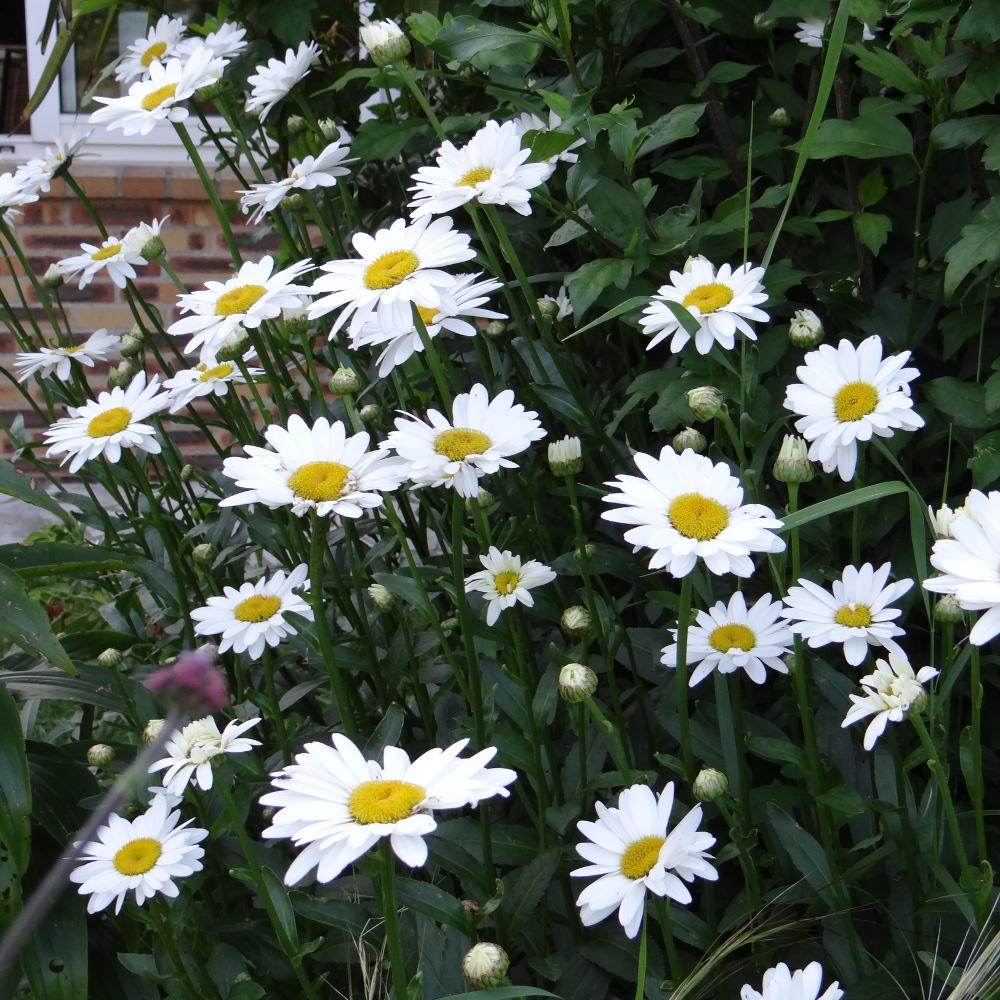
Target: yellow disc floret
(384, 801)
(427, 315)
(697, 516)
(854, 616)
(111, 250)
(708, 298)
(727, 637)
(219, 371)
(238, 300)
(156, 97)
(258, 608)
(640, 856)
(855, 400)
(506, 582)
(153, 52)
(390, 269)
(460, 442)
(475, 176)
(109, 422)
(319, 481)
(138, 856)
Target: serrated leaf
(873, 229)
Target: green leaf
(424, 26)
(979, 244)
(678, 123)
(617, 212)
(24, 623)
(386, 732)
(15, 808)
(888, 68)
(805, 852)
(545, 143)
(281, 906)
(379, 141)
(846, 501)
(55, 958)
(14, 484)
(586, 284)
(502, 993)
(45, 558)
(873, 230)
(526, 887)
(872, 188)
(723, 72)
(868, 137)
(964, 402)
(433, 902)
(467, 37)
(89, 688)
(621, 309)
(960, 133)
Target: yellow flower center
(105, 252)
(73, 350)
(708, 298)
(390, 269)
(138, 856)
(475, 176)
(427, 315)
(640, 856)
(855, 400)
(318, 481)
(384, 801)
(460, 442)
(156, 97)
(506, 582)
(854, 616)
(696, 516)
(109, 422)
(727, 637)
(258, 608)
(219, 371)
(238, 300)
(153, 52)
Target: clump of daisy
(58, 361)
(399, 267)
(143, 856)
(491, 169)
(780, 983)
(730, 637)
(254, 616)
(632, 851)
(192, 752)
(856, 613)
(476, 442)
(505, 581)
(307, 174)
(685, 508)
(721, 301)
(847, 394)
(318, 468)
(102, 427)
(255, 294)
(969, 562)
(161, 42)
(336, 805)
(208, 378)
(890, 693)
(275, 80)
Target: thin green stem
(669, 945)
(640, 972)
(976, 789)
(387, 883)
(681, 678)
(566, 44)
(405, 73)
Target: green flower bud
(382, 597)
(577, 683)
(805, 329)
(706, 402)
(496, 328)
(53, 277)
(690, 439)
(153, 729)
(710, 785)
(792, 464)
(485, 965)
(153, 248)
(100, 755)
(131, 344)
(779, 118)
(575, 621)
(296, 124)
(548, 308)
(203, 554)
(385, 42)
(947, 610)
(110, 658)
(345, 381)
(122, 374)
(234, 346)
(566, 456)
(370, 412)
(187, 473)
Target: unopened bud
(449, 625)
(234, 346)
(496, 328)
(548, 308)
(805, 329)
(131, 343)
(370, 412)
(110, 658)
(153, 248)
(296, 124)
(706, 402)
(710, 785)
(566, 456)
(52, 277)
(763, 24)
(692, 260)
(485, 966)
(483, 500)
(345, 381)
(122, 374)
(792, 464)
(575, 621)
(947, 610)
(294, 202)
(385, 42)
(329, 129)
(779, 118)
(100, 755)
(577, 683)
(203, 553)
(472, 908)
(588, 551)
(211, 91)
(187, 473)
(690, 439)
(942, 519)
(382, 597)
(153, 729)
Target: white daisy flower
(489, 169)
(253, 617)
(313, 468)
(119, 256)
(58, 361)
(505, 581)
(38, 173)
(228, 40)
(811, 32)
(686, 508)
(255, 294)
(162, 42)
(465, 297)
(16, 190)
(730, 637)
(192, 752)
(889, 694)
(104, 426)
(476, 442)
(138, 236)
(306, 175)
(209, 378)
(856, 613)
(721, 301)
(846, 395)
(337, 805)
(399, 267)
(275, 80)
(161, 97)
(530, 122)
(780, 983)
(383, 41)
(143, 855)
(970, 562)
(942, 518)
(631, 851)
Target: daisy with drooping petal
(489, 169)
(970, 563)
(811, 32)
(162, 42)
(253, 617)
(209, 378)
(118, 256)
(730, 637)
(337, 805)
(890, 693)
(306, 175)
(530, 122)
(780, 983)
(721, 301)
(315, 468)
(37, 174)
(399, 267)
(192, 752)
(476, 442)
(58, 361)
(161, 97)
(856, 613)
(255, 294)
(143, 855)
(103, 426)
(17, 189)
(845, 395)
(229, 39)
(632, 850)
(686, 508)
(505, 581)
(459, 302)
(275, 80)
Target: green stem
(614, 740)
(387, 883)
(976, 789)
(402, 68)
(669, 945)
(164, 933)
(640, 982)
(566, 44)
(681, 679)
(433, 361)
(274, 706)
